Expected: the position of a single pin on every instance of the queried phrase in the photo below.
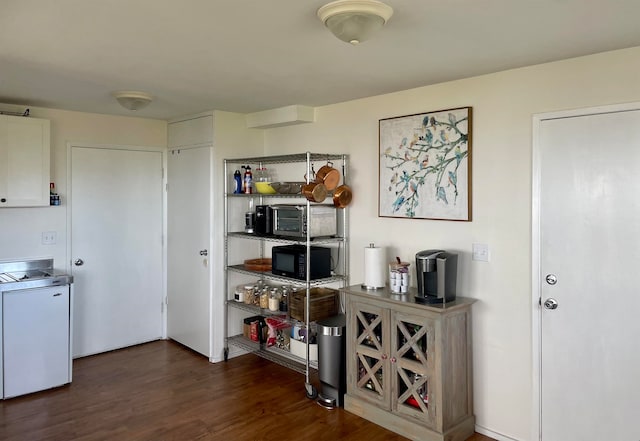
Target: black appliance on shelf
(291, 261)
(264, 220)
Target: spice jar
(283, 304)
(248, 294)
(274, 300)
(264, 298)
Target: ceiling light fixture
(132, 100)
(354, 21)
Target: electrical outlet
(49, 237)
(480, 252)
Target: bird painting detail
(423, 163)
(453, 178)
(398, 203)
(441, 195)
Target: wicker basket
(325, 302)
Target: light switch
(480, 252)
(49, 237)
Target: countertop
(407, 299)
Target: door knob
(551, 279)
(203, 252)
(551, 303)
(78, 262)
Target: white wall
(503, 105)
(21, 228)
(232, 139)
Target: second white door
(589, 256)
(189, 248)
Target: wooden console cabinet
(409, 366)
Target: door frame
(163, 152)
(536, 309)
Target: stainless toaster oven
(295, 220)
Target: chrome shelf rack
(276, 355)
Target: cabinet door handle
(393, 359)
(384, 356)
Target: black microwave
(291, 261)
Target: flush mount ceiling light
(132, 100)
(354, 21)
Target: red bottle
(247, 183)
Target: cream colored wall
(232, 140)
(20, 235)
(503, 105)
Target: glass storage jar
(248, 294)
(274, 300)
(264, 298)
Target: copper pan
(315, 192)
(342, 196)
(328, 176)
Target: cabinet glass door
(370, 374)
(413, 366)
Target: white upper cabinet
(194, 131)
(25, 156)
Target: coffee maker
(436, 271)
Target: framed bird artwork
(425, 165)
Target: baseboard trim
(490, 433)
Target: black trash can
(331, 360)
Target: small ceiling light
(132, 100)
(354, 21)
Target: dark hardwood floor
(162, 391)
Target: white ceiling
(253, 55)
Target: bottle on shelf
(283, 305)
(250, 218)
(237, 182)
(248, 180)
(54, 198)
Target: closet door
(189, 247)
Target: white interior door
(116, 232)
(189, 247)
(589, 220)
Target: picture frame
(425, 165)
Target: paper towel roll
(374, 267)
